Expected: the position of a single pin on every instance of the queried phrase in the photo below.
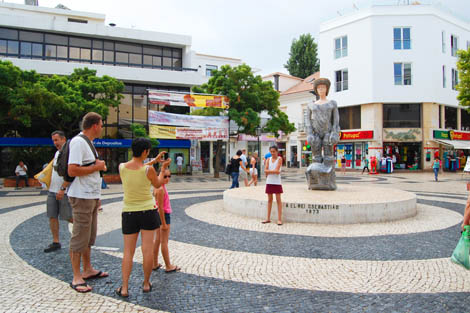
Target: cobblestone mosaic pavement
(235, 265)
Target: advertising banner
(457, 135)
(263, 137)
(194, 121)
(186, 99)
(441, 134)
(169, 132)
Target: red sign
(454, 135)
(366, 134)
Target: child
(163, 233)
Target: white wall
(371, 55)
(200, 62)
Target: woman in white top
(273, 183)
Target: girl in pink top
(163, 233)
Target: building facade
(393, 73)
(57, 41)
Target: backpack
(62, 164)
(228, 168)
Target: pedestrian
(138, 212)
(179, 164)
(57, 203)
(254, 169)
(273, 183)
(366, 164)
(21, 172)
(236, 165)
(243, 171)
(436, 167)
(343, 164)
(84, 196)
(163, 233)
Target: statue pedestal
(321, 177)
(345, 205)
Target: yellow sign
(162, 132)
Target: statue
(322, 127)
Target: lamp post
(258, 133)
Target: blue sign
(174, 143)
(44, 142)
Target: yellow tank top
(136, 185)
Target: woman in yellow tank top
(138, 213)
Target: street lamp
(258, 133)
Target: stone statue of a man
(322, 127)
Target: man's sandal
(100, 274)
(119, 293)
(75, 287)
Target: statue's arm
(335, 130)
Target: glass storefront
(353, 152)
(404, 155)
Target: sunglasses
(167, 176)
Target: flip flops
(265, 222)
(100, 274)
(119, 293)
(148, 290)
(75, 287)
(159, 266)
(176, 269)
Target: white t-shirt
(244, 161)
(88, 186)
(179, 160)
(20, 170)
(56, 180)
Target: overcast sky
(259, 32)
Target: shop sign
(402, 134)
(170, 132)
(441, 134)
(455, 135)
(357, 135)
(185, 99)
(193, 121)
(263, 137)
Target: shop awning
(456, 144)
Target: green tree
(139, 130)
(303, 59)
(34, 105)
(463, 65)
(249, 95)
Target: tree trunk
(217, 158)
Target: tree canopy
(249, 95)
(34, 105)
(303, 59)
(463, 65)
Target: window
(6, 33)
(454, 45)
(402, 73)
(401, 38)
(350, 117)
(341, 47)
(341, 80)
(450, 115)
(13, 47)
(56, 39)
(31, 36)
(209, 69)
(443, 76)
(464, 119)
(398, 115)
(455, 79)
(443, 39)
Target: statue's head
(321, 82)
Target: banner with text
(169, 132)
(186, 99)
(196, 121)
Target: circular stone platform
(346, 205)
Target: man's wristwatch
(63, 188)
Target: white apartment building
(56, 41)
(393, 73)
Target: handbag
(461, 254)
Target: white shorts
(253, 171)
(242, 175)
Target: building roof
(282, 74)
(305, 85)
(218, 57)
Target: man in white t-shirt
(57, 201)
(21, 172)
(179, 164)
(84, 195)
(243, 173)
